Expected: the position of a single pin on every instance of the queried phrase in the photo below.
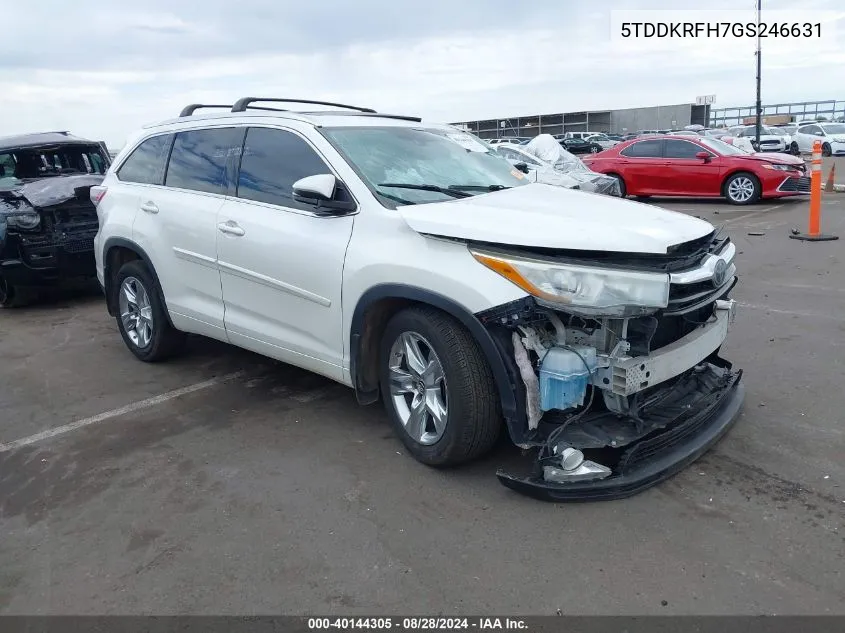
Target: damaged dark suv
(47, 219)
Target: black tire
(826, 149)
(794, 149)
(756, 192)
(623, 191)
(474, 419)
(15, 296)
(165, 341)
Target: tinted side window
(680, 149)
(643, 149)
(199, 157)
(145, 164)
(272, 161)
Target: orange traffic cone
(828, 186)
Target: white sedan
(832, 136)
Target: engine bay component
(564, 374)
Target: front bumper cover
(661, 454)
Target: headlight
(779, 167)
(838, 139)
(583, 289)
(26, 221)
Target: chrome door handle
(149, 207)
(230, 228)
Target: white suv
(408, 261)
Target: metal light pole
(759, 65)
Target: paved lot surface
(262, 489)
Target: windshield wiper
(479, 187)
(455, 193)
(395, 198)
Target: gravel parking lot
(226, 483)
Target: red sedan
(700, 167)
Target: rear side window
(199, 158)
(272, 161)
(643, 149)
(145, 164)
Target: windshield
(721, 147)
(431, 157)
(834, 129)
(41, 162)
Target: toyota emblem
(720, 272)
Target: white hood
(553, 217)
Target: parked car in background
(832, 136)
(411, 263)
(580, 146)
(700, 167)
(47, 219)
(545, 161)
(616, 137)
(602, 140)
(517, 140)
(683, 133)
(582, 135)
(771, 139)
(714, 132)
(786, 128)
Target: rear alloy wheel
(437, 388)
(794, 149)
(742, 188)
(141, 317)
(594, 149)
(826, 149)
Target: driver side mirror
(523, 167)
(705, 156)
(325, 193)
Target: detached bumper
(650, 461)
(48, 260)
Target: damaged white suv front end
(614, 354)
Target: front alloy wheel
(742, 189)
(136, 312)
(437, 387)
(418, 388)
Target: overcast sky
(102, 69)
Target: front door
(281, 264)
(684, 174)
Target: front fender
(506, 381)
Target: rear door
(684, 174)
(641, 166)
(177, 226)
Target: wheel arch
(116, 252)
(371, 314)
